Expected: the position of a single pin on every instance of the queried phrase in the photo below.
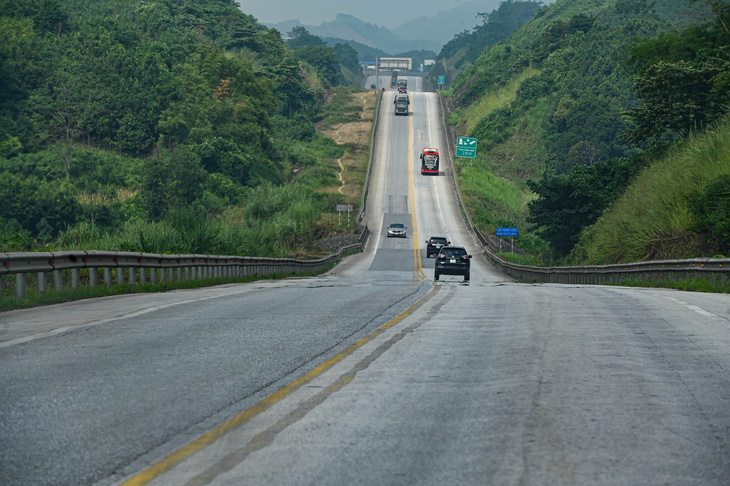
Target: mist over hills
(421, 33)
(350, 28)
(443, 26)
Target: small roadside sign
(466, 147)
(506, 231)
(442, 79)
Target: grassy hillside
(657, 217)
(551, 97)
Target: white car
(397, 230)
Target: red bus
(430, 161)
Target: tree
(676, 98)
(711, 211)
(633, 8)
(172, 178)
(42, 208)
(566, 204)
(300, 37)
(721, 9)
(323, 59)
(68, 101)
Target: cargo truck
(401, 104)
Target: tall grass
(653, 213)
(486, 185)
(273, 221)
(496, 99)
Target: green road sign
(466, 147)
(442, 79)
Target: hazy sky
(386, 13)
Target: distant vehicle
(452, 260)
(402, 83)
(430, 161)
(434, 245)
(402, 90)
(401, 104)
(397, 230)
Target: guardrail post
(108, 277)
(153, 275)
(132, 276)
(57, 280)
(120, 276)
(75, 278)
(142, 276)
(42, 282)
(21, 281)
(93, 278)
(179, 274)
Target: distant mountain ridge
(348, 27)
(443, 26)
(429, 33)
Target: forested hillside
(576, 103)
(172, 125)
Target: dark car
(452, 260)
(397, 230)
(402, 90)
(434, 245)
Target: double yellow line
(168, 463)
(411, 195)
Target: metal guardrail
(132, 268)
(140, 266)
(715, 270)
(366, 184)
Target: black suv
(452, 260)
(434, 245)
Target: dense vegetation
(579, 102)
(495, 26)
(171, 125)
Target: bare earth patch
(357, 136)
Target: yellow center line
(416, 240)
(172, 460)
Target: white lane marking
(695, 308)
(438, 200)
(147, 310)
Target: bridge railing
(129, 268)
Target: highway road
(373, 373)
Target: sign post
(466, 147)
(341, 208)
(511, 232)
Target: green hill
(677, 207)
(554, 107)
(176, 126)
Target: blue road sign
(506, 231)
(442, 79)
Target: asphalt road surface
(373, 374)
